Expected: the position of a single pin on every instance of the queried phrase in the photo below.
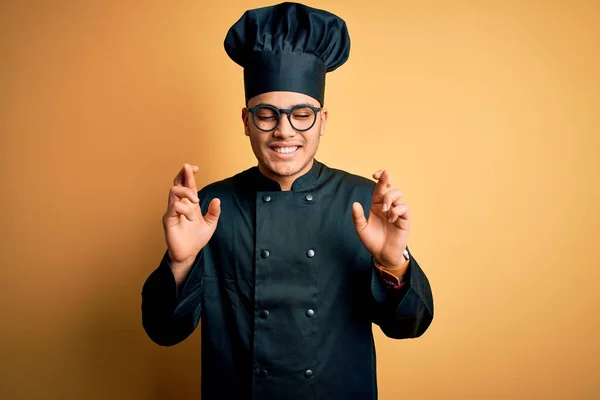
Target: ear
(324, 115)
(245, 116)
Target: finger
(399, 211)
(181, 177)
(213, 213)
(377, 174)
(384, 183)
(397, 202)
(182, 192)
(189, 210)
(358, 216)
(391, 197)
(189, 176)
(183, 207)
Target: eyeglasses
(266, 117)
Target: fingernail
(385, 207)
(196, 199)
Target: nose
(284, 128)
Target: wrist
(181, 269)
(181, 266)
(393, 276)
(405, 255)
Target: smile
(285, 150)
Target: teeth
(285, 150)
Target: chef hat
(288, 47)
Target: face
(284, 154)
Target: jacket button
(310, 253)
(264, 314)
(310, 312)
(265, 253)
(308, 373)
(309, 197)
(266, 199)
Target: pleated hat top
(288, 47)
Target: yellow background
(486, 114)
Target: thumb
(212, 215)
(358, 215)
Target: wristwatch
(393, 276)
(406, 255)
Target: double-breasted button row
(308, 197)
(264, 314)
(265, 253)
(263, 373)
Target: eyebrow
(289, 108)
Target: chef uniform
(285, 291)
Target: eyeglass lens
(301, 118)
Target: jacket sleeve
(406, 312)
(170, 315)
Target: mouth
(285, 151)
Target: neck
(285, 182)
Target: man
(284, 269)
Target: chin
(286, 168)
(283, 167)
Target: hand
(186, 230)
(385, 234)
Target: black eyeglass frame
(288, 111)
